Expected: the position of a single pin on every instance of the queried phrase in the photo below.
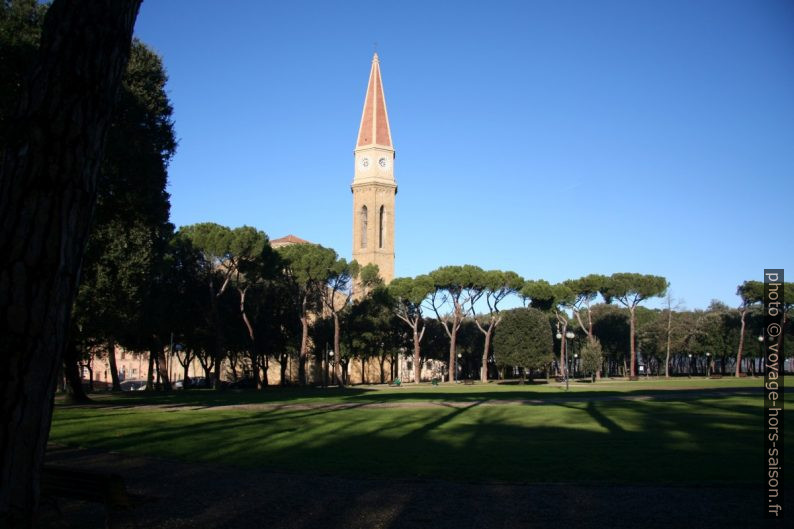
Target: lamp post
(457, 363)
(708, 365)
(689, 367)
(331, 360)
(575, 361)
(761, 349)
(569, 336)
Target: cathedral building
(374, 187)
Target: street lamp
(689, 367)
(708, 365)
(457, 362)
(575, 361)
(331, 360)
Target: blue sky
(553, 138)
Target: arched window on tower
(363, 226)
(380, 227)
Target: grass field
(682, 433)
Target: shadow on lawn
(710, 447)
(328, 396)
(618, 441)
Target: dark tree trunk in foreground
(74, 382)
(162, 368)
(114, 371)
(47, 196)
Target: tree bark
(47, 197)
(337, 341)
(669, 327)
(417, 356)
(74, 382)
(162, 369)
(486, 348)
(150, 373)
(114, 372)
(633, 361)
(741, 344)
(304, 352)
(251, 336)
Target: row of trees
(232, 298)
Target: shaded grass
(687, 440)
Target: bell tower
(374, 187)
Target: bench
(395, 383)
(559, 379)
(468, 381)
(434, 381)
(715, 376)
(634, 378)
(95, 487)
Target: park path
(189, 495)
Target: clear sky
(553, 138)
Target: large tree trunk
(633, 362)
(251, 336)
(417, 357)
(220, 342)
(453, 336)
(741, 345)
(74, 382)
(47, 196)
(114, 372)
(486, 348)
(667, 358)
(337, 341)
(150, 373)
(162, 368)
(304, 352)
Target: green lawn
(682, 438)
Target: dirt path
(215, 496)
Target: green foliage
(611, 326)
(368, 276)
(409, 293)
(751, 292)
(591, 357)
(455, 279)
(546, 297)
(125, 259)
(20, 32)
(631, 289)
(523, 339)
(308, 265)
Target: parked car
(199, 382)
(133, 385)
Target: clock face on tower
(382, 162)
(365, 162)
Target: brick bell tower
(374, 187)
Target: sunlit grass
(674, 439)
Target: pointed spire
(374, 129)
